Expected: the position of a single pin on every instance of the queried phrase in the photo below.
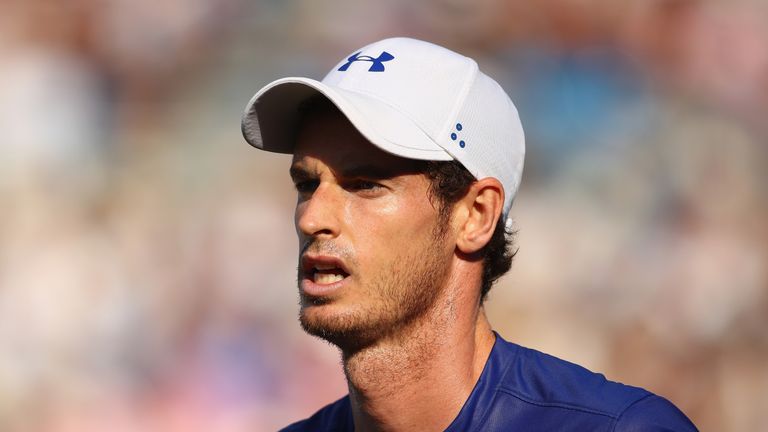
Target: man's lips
(322, 274)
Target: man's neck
(420, 378)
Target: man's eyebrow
(370, 171)
(300, 173)
(373, 172)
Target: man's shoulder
(554, 387)
(545, 379)
(333, 417)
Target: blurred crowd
(147, 254)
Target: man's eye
(306, 186)
(364, 185)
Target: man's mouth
(322, 274)
(326, 274)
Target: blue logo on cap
(378, 62)
(455, 136)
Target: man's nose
(318, 215)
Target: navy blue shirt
(521, 389)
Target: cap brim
(270, 121)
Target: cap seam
(448, 124)
(397, 107)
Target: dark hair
(450, 181)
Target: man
(406, 159)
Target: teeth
(325, 266)
(327, 278)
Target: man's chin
(349, 331)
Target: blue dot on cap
(458, 126)
(462, 143)
(453, 136)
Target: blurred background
(147, 254)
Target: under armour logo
(378, 62)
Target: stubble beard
(402, 293)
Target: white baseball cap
(410, 98)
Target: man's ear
(481, 209)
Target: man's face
(372, 256)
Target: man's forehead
(312, 167)
(333, 142)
